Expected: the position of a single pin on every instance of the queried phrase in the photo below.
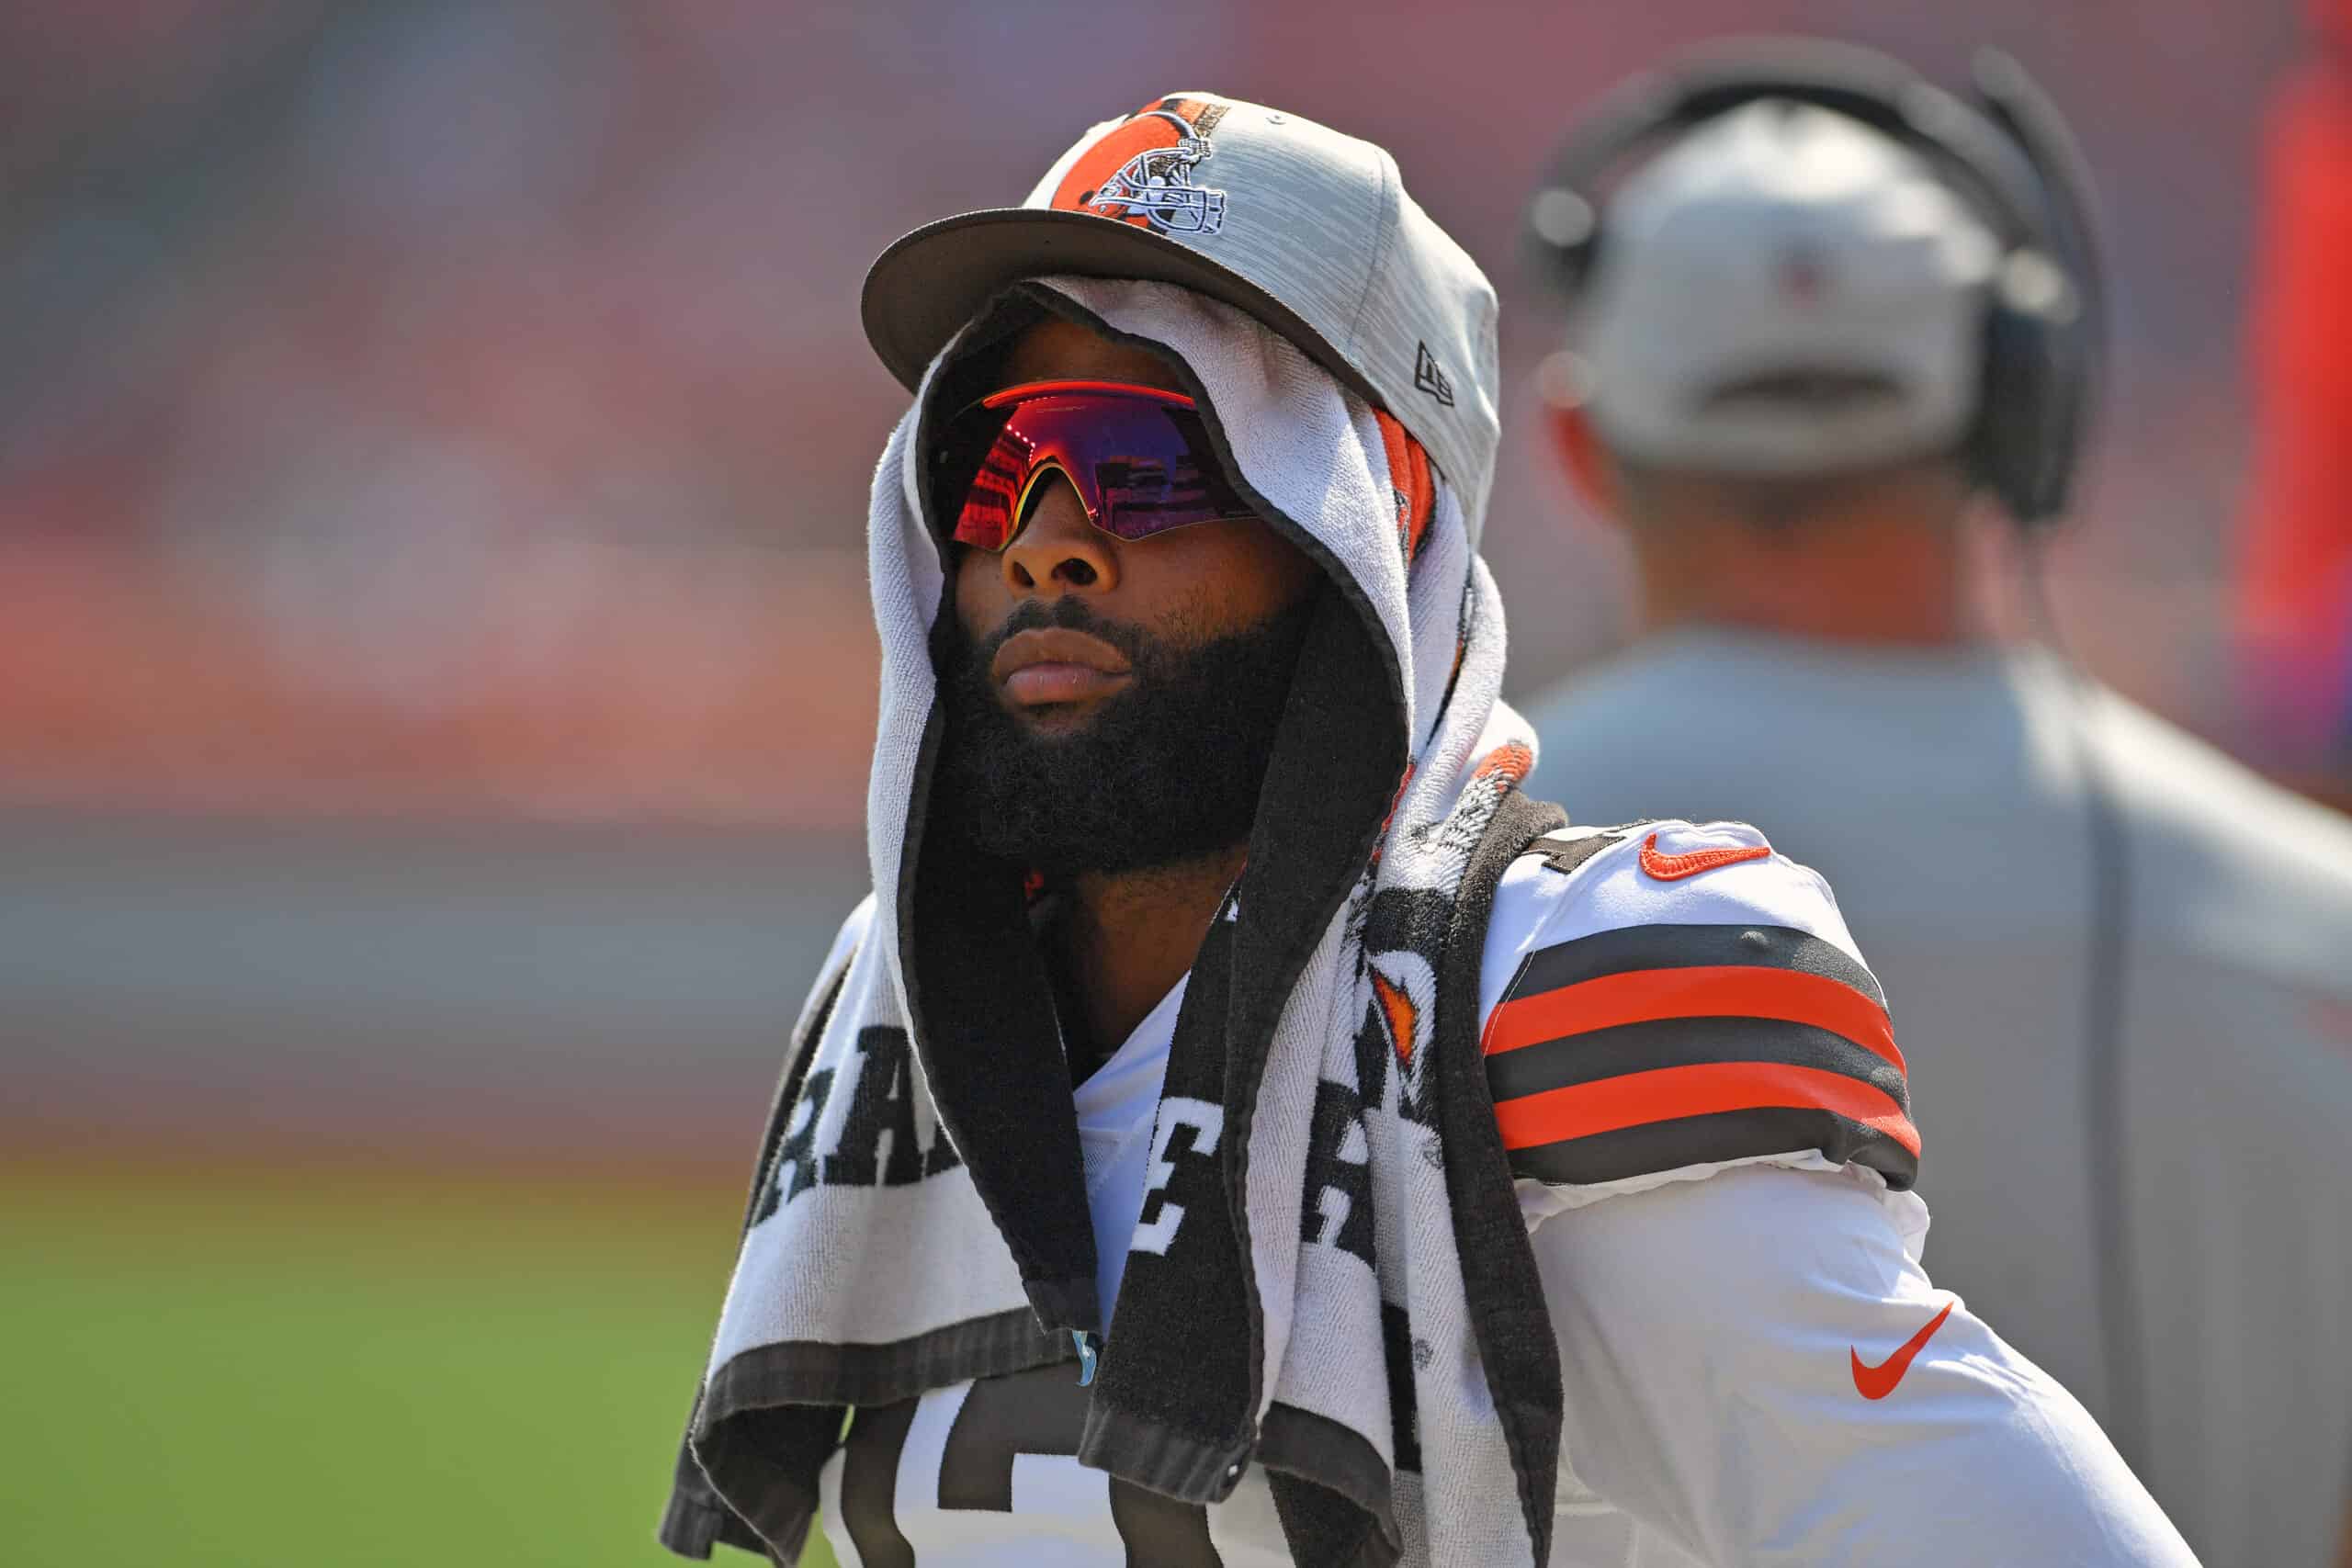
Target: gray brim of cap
(924, 290)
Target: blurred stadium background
(435, 678)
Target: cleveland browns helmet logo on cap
(1141, 171)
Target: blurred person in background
(1237, 1084)
(1819, 310)
(2296, 607)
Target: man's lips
(1058, 665)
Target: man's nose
(1057, 550)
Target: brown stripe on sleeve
(1652, 1146)
(1613, 1053)
(1682, 947)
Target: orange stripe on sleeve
(1581, 1110)
(1706, 991)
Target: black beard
(1167, 770)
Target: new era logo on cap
(1430, 376)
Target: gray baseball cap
(1309, 231)
(1785, 291)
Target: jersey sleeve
(1764, 1374)
(1680, 999)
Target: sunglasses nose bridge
(1048, 465)
(1057, 549)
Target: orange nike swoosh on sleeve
(1673, 868)
(1877, 1382)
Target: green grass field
(258, 1369)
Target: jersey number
(1036, 1412)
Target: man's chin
(1058, 720)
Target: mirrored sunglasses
(1139, 458)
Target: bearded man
(1242, 1128)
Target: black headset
(2008, 153)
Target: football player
(1242, 1127)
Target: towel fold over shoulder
(1332, 1283)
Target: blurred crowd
(460, 408)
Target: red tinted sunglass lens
(1140, 461)
(1144, 492)
(964, 445)
(988, 516)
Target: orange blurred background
(460, 410)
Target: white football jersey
(1680, 1035)
(1944, 795)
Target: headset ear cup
(1997, 444)
(2022, 444)
(2067, 408)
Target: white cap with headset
(1785, 291)
(1829, 263)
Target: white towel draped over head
(1298, 1298)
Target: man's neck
(1126, 937)
(1852, 580)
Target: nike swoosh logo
(1673, 868)
(1877, 1382)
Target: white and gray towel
(1295, 1292)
